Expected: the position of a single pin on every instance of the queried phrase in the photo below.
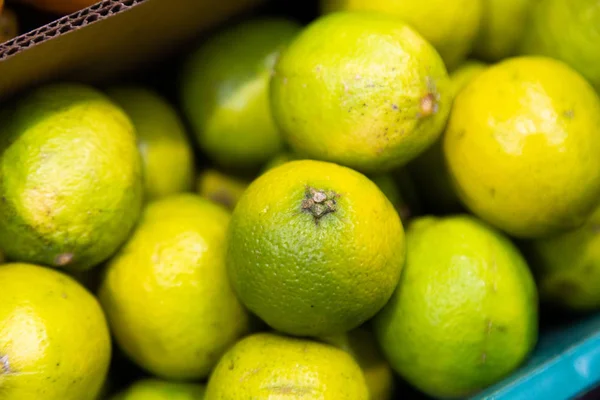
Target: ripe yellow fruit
(166, 293)
(362, 90)
(314, 248)
(54, 340)
(270, 366)
(522, 147)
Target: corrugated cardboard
(108, 39)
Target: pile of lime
(387, 192)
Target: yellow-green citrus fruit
(220, 188)
(465, 312)
(166, 293)
(168, 161)
(156, 389)
(314, 248)
(361, 344)
(70, 177)
(270, 366)
(360, 89)
(225, 88)
(429, 170)
(568, 30)
(502, 27)
(54, 340)
(450, 26)
(522, 144)
(567, 267)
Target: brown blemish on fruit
(569, 114)
(319, 202)
(428, 105)
(63, 259)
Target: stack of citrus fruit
(380, 182)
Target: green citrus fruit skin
(567, 267)
(372, 96)
(70, 177)
(429, 170)
(54, 340)
(450, 26)
(270, 366)
(307, 275)
(166, 293)
(502, 27)
(156, 389)
(224, 92)
(361, 344)
(568, 30)
(168, 161)
(509, 129)
(220, 188)
(465, 312)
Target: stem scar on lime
(319, 202)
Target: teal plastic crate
(564, 365)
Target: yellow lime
(269, 366)
(360, 89)
(522, 146)
(314, 248)
(54, 340)
(166, 293)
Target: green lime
(464, 314)
(224, 91)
